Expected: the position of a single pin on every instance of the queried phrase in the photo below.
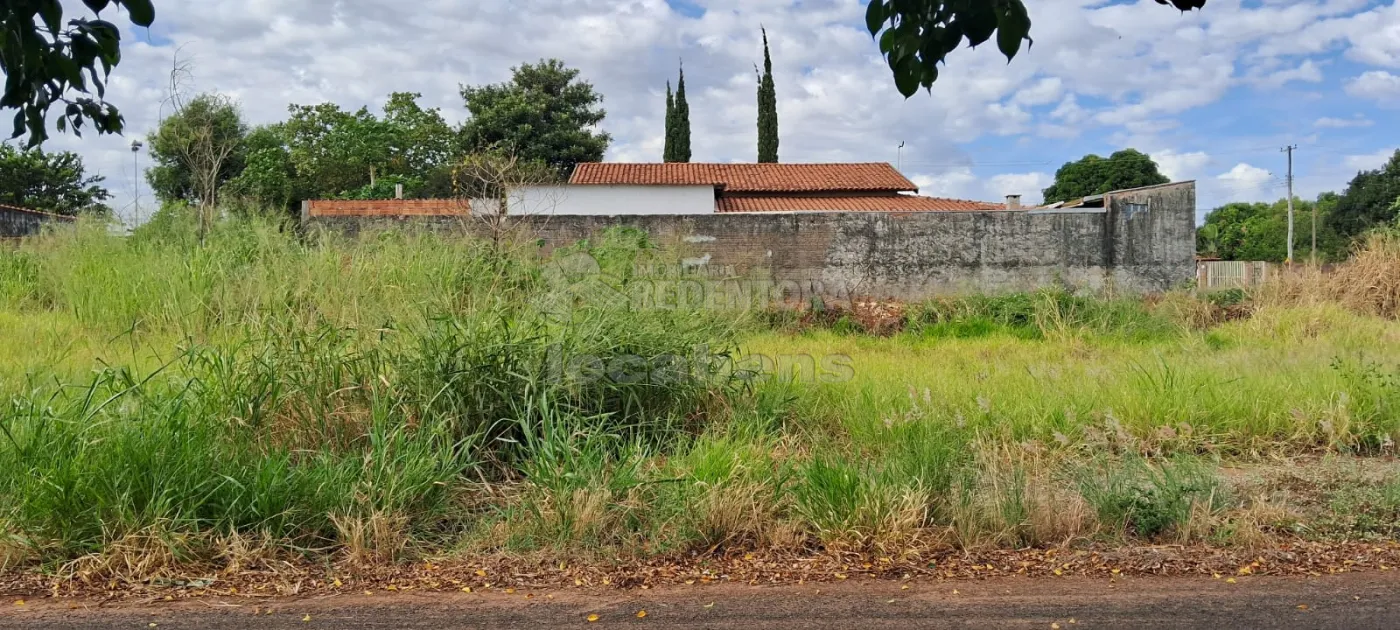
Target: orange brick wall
(387, 207)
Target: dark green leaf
(875, 16)
(907, 75)
(142, 13)
(52, 13)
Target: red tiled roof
(886, 203)
(876, 176)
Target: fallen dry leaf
(306, 618)
(592, 618)
(466, 589)
(641, 614)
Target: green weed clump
(1050, 313)
(330, 393)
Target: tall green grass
(303, 386)
(398, 393)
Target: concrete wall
(15, 222)
(1148, 246)
(611, 200)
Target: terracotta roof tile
(886, 203)
(876, 176)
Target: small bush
(1138, 498)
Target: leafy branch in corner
(916, 35)
(44, 59)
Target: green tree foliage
(1259, 231)
(1093, 175)
(543, 114)
(333, 150)
(267, 178)
(51, 182)
(767, 110)
(185, 143)
(917, 35)
(48, 61)
(682, 140)
(1368, 201)
(420, 140)
(668, 149)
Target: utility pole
(136, 183)
(1289, 150)
(899, 157)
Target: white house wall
(608, 200)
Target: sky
(1211, 95)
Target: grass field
(402, 396)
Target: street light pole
(136, 182)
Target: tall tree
(51, 182)
(268, 177)
(334, 150)
(767, 109)
(420, 140)
(682, 141)
(1093, 175)
(196, 149)
(1368, 200)
(668, 152)
(543, 114)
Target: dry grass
(1369, 283)
(374, 539)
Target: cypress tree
(682, 141)
(668, 153)
(767, 110)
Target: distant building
(16, 222)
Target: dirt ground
(1351, 600)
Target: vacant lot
(175, 408)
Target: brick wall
(385, 207)
(1149, 247)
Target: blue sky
(1212, 95)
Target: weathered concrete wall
(1146, 247)
(16, 222)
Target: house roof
(874, 176)
(872, 203)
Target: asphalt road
(1351, 601)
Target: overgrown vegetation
(404, 395)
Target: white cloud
(1106, 72)
(1327, 122)
(1181, 166)
(1378, 85)
(1242, 182)
(1027, 185)
(1368, 161)
(1308, 71)
(962, 183)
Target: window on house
(1131, 209)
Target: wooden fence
(1216, 275)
